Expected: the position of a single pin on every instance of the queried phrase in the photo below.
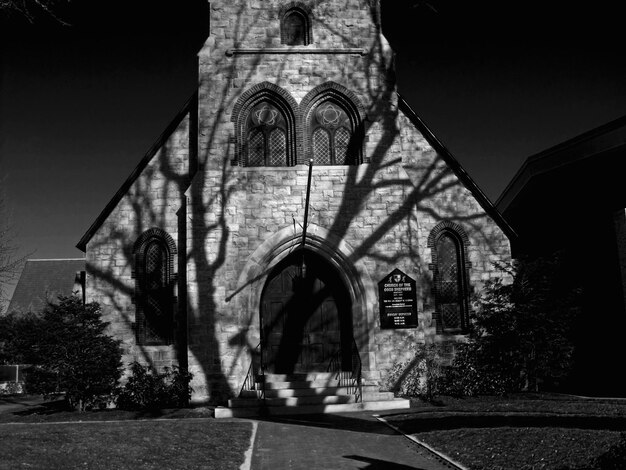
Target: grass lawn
(36, 440)
(521, 432)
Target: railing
(255, 378)
(352, 378)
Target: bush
(419, 376)
(68, 350)
(147, 389)
(525, 327)
(473, 373)
(520, 339)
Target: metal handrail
(350, 379)
(255, 378)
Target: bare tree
(29, 9)
(10, 260)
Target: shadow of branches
(377, 215)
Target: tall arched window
(265, 119)
(331, 135)
(332, 130)
(154, 296)
(295, 29)
(450, 280)
(266, 136)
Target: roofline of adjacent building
(583, 146)
(457, 168)
(117, 197)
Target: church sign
(397, 300)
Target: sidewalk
(336, 441)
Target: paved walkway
(337, 441)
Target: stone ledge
(294, 50)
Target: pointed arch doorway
(305, 316)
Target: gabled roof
(601, 140)
(43, 280)
(117, 197)
(457, 168)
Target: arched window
(266, 136)
(332, 133)
(450, 282)
(154, 297)
(265, 127)
(295, 28)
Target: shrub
(473, 373)
(147, 389)
(420, 375)
(520, 339)
(71, 354)
(524, 328)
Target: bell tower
(292, 52)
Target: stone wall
(149, 199)
(237, 222)
(366, 219)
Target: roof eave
(117, 197)
(457, 168)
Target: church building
(297, 216)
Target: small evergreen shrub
(147, 389)
(70, 353)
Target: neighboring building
(200, 260)
(570, 199)
(43, 280)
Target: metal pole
(306, 204)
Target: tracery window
(154, 298)
(295, 28)
(331, 135)
(451, 303)
(266, 136)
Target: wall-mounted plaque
(397, 298)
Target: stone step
(290, 401)
(259, 411)
(375, 395)
(308, 391)
(300, 377)
(274, 385)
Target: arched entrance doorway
(305, 316)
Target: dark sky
(80, 105)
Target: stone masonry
(234, 223)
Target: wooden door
(305, 320)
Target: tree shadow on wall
(418, 179)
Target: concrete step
(276, 385)
(290, 401)
(375, 395)
(260, 410)
(308, 391)
(303, 377)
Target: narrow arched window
(154, 297)
(295, 28)
(332, 135)
(266, 136)
(450, 283)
